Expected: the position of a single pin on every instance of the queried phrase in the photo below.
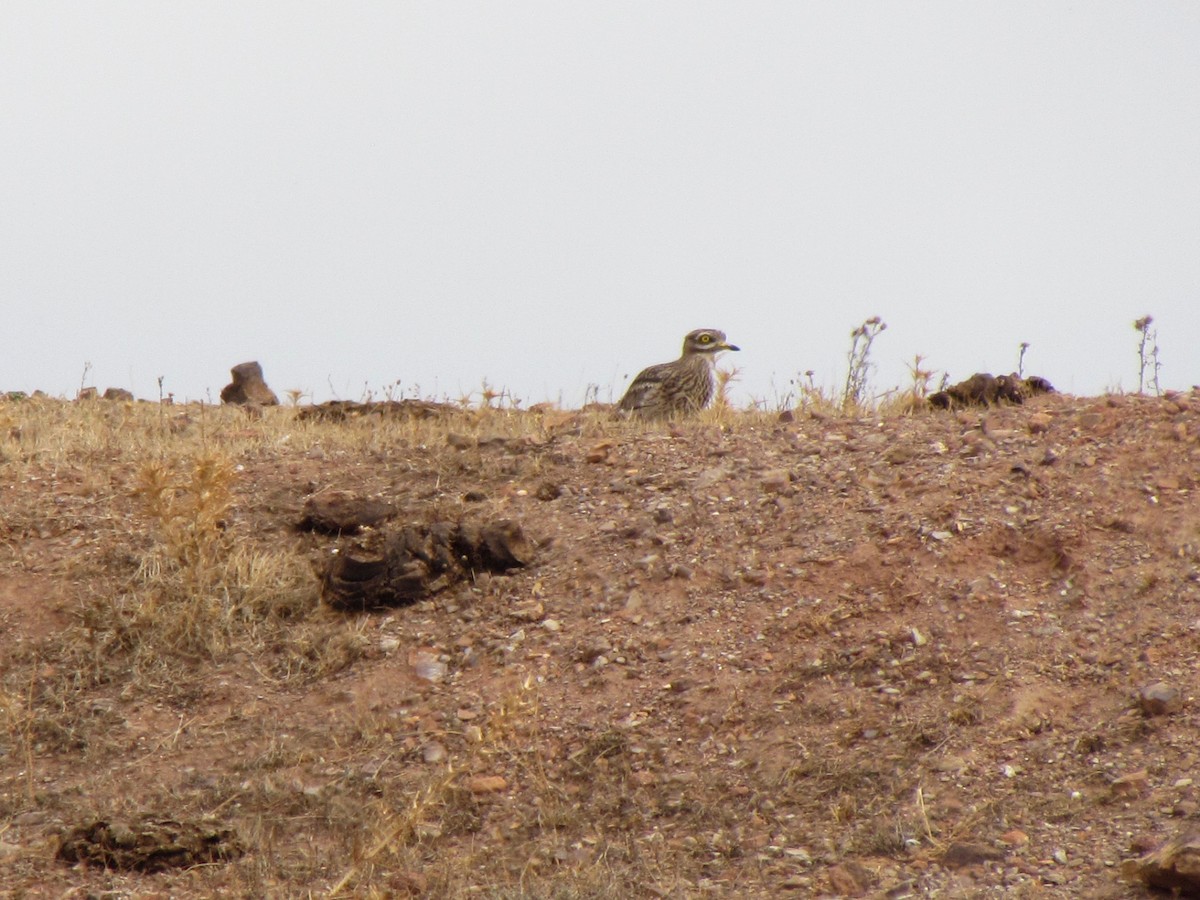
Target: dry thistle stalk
(1147, 353)
(859, 369)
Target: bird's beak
(729, 347)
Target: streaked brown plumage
(681, 386)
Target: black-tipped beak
(729, 347)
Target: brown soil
(893, 657)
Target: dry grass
(191, 667)
(193, 588)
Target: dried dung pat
(1175, 866)
(985, 389)
(150, 844)
(340, 512)
(402, 566)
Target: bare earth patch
(952, 654)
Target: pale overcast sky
(549, 195)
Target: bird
(681, 386)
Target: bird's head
(706, 340)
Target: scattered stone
(593, 650)
(1175, 866)
(950, 763)
(1131, 786)
(961, 854)
(433, 752)
(248, 387)
(1014, 838)
(1159, 699)
(486, 784)
(600, 453)
(1039, 423)
(427, 666)
(341, 512)
(710, 477)
(549, 490)
(150, 843)
(680, 570)
(529, 611)
(848, 879)
(777, 481)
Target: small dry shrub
(198, 591)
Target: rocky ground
(946, 655)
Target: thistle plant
(1148, 364)
(859, 369)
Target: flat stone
(962, 853)
(486, 784)
(1159, 699)
(1132, 785)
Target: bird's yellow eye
(706, 338)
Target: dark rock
(248, 387)
(340, 512)
(118, 394)
(150, 844)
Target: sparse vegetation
(1148, 362)
(914, 397)
(859, 365)
(749, 652)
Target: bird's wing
(646, 388)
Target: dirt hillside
(950, 654)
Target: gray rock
(1159, 699)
